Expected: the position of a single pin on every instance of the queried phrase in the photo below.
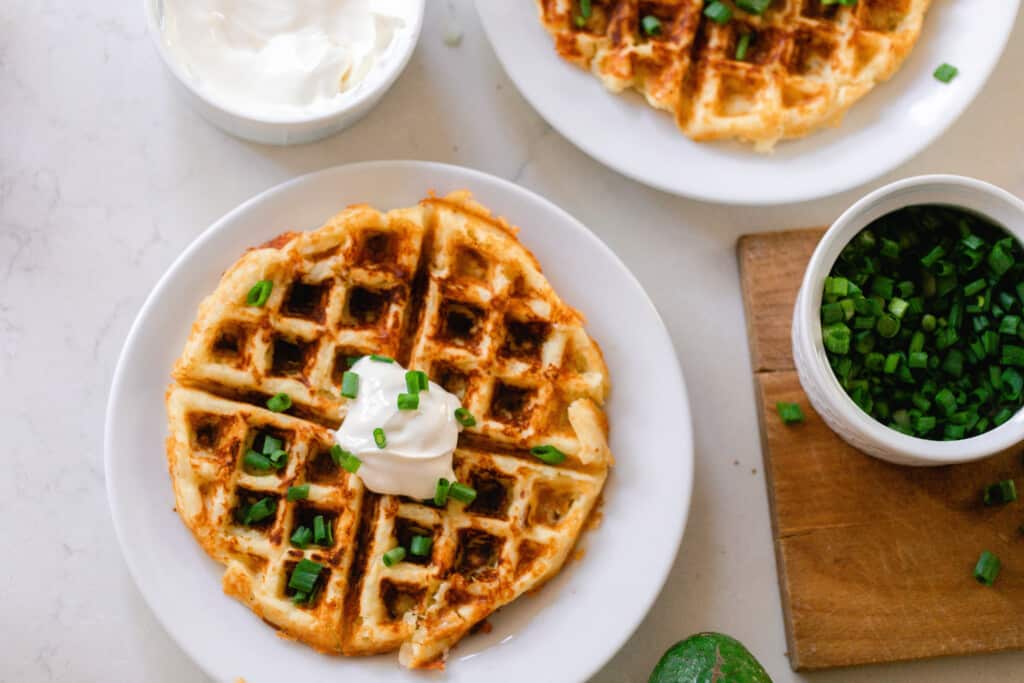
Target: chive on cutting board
(874, 560)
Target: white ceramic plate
(891, 124)
(575, 623)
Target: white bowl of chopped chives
(908, 331)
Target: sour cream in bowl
(285, 71)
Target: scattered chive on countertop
(1000, 493)
(790, 413)
(987, 568)
(921, 321)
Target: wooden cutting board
(875, 561)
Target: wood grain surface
(875, 561)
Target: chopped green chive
(350, 384)
(344, 459)
(301, 537)
(954, 363)
(947, 401)
(407, 402)
(548, 454)
(892, 363)
(753, 6)
(259, 293)
(898, 307)
(888, 326)
(585, 8)
(304, 576)
(718, 12)
(1000, 493)
(987, 568)
(1013, 355)
(946, 73)
(461, 492)
(258, 511)
(651, 25)
(925, 424)
(974, 287)
(380, 438)
(464, 417)
(420, 545)
(322, 533)
(300, 492)
(393, 556)
(441, 492)
(921, 321)
(381, 359)
(917, 360)
(837, 286)
(416, 381)
(1013, 384)
(256, 462)
(271, 444)
(278, 459)
(837, 338)
(742, 46)
(279, 403)
(789, 413)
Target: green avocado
(709, 658)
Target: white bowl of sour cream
(284, 72)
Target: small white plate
(567, 630)
(890, 125)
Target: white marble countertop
(105, 176)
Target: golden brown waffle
(806, 64)
(443, 287)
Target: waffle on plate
(442, 287)
(760, 78)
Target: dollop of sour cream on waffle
(403, 452)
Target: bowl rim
(849, 223)
(383, 83)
